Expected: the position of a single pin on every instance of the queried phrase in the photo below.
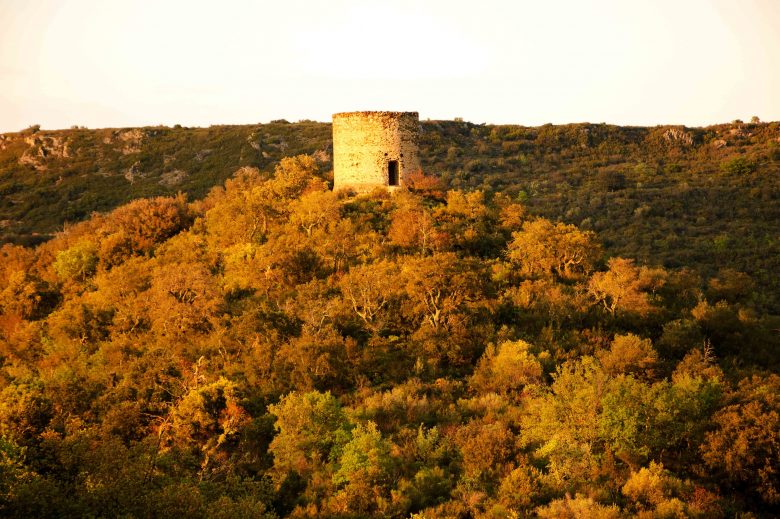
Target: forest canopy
(278, 350)
(674, 196)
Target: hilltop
(667, 195)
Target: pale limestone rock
(43, 148)
(678, 136)
(173, 178)
(132, 139)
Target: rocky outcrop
(265, 142)
(132, 140)
(134, 172)
(253, 141)
(202, 154)
(731, 135)
(173, 178)
(43, 148)
(321, 156)
(678, 137)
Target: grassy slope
(702, 197)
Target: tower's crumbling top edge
(371, 113)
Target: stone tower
(374, 149)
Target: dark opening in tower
(392, 173)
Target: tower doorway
(392, 173)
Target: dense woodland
(274, 349)
(670, 196)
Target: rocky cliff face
(43, 148)
(678, 136)
(132, 140)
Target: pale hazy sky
(103, 63)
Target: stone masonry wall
(364, 143)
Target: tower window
(392, 172)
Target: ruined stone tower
(374, 149)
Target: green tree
(366, 457)
(312, 429)
(77, 263)
(563, 421)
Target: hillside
(672, 196)
(279, 350)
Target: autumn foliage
(277, 350)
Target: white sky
(111, 63)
